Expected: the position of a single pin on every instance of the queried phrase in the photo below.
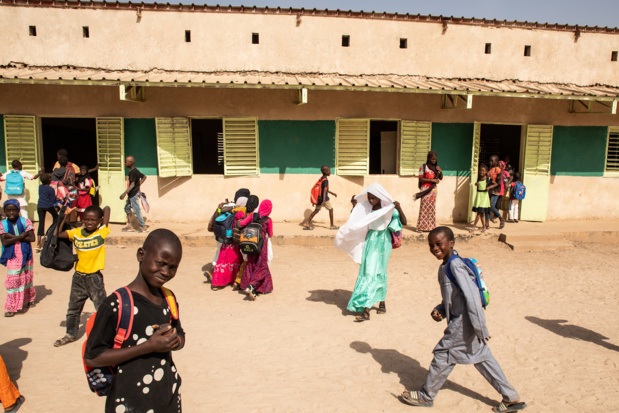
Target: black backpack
(222, 227)
(251, 240)
(57, 253)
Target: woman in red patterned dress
(430, 175)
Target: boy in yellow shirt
(89, 242)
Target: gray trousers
(490, 369)
(83, 287)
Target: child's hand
(353, 201)
(122, 196)
(439, 170)
(396, 204)
(436, 315)
(484, 340)
(164, 339)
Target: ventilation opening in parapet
(403, 43)
(255, 38)
(345, 41)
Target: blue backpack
(473, 265)
(14, 183)
(223, 226)
(519, 191)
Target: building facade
(209, 99)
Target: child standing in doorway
(323, 200)
(146, 379)
(514, 206)
(466, 337)
(482, 200)
(84, 182)
(135, 179)
(45, 204)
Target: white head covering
(241, 201)
(351, 236)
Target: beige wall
(222, 42)
(93, 101)
(569, 197)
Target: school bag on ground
(473, 265)
(316, 192)
(222, 227)
(519, 191)
(100, 378)
(252, 240)
(14, 183)
(57, 253)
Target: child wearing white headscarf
(366, 237)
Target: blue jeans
(494, 200)
(134, 203)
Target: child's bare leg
(308, 222)
(475, 222)
(483, 222)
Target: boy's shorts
(327, 205)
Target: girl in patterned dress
(16, 234)
(256, 278)
(430, 175)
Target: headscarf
(8, 252)
(241, 192)
(265, 208)
(252, 203)
(81, 178)
(241, 201)
(431, 167)
(351, 236)
(502, 163)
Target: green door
(111, 156)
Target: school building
(209, 99)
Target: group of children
(497, 189)
(244, 269)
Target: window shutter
(20, 139)
(415, 143)
(174, 147)
(612, 150)
(352, 142)
(110, 144)
(241, 156)
(538, 150)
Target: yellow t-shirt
(90, 249)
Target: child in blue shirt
(47, 198)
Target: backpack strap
(169, 297)
(448, 273)
(125, 316)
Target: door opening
(383, 147)
(77, 135)
(501, 140)
(207, 146)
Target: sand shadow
(42, 292)
(14, 356)
(572, 331)
(338, 298)
(83, 319)
(411, 374)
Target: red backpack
(316, 192)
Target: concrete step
(535, 242)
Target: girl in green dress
(482, 200)
(366, 237)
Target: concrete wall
(581, 197)
(94, 101)
(222, 42)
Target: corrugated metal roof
(104, 5)
(23, 74)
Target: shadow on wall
(572, 331)
(411, 374)
(165, 185)
(461, 197)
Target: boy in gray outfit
(466, 338)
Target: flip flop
(9, 314)
(335, 227)
(509, 408)
(412, 398)
(20, 400)
(308, 228)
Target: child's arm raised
(403, 220)
(106, 216)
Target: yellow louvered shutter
(474, 169)
(352, 143)
(111, 158)
(612, 152)
(174, 153)
(536, 174)
(415, 143)
(20, 139)
(241, 152)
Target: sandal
(365, 316)
(9, 314)
(65, 340)
(509, 407)
(15, 407)
(128, 229)
(382, 308)
(308, 228)
(412, 398)
(335, 227)
(251, 292)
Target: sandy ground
(552, 318)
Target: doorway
(501, 140)
(77, 135)
(383, 147)
(207, 140)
